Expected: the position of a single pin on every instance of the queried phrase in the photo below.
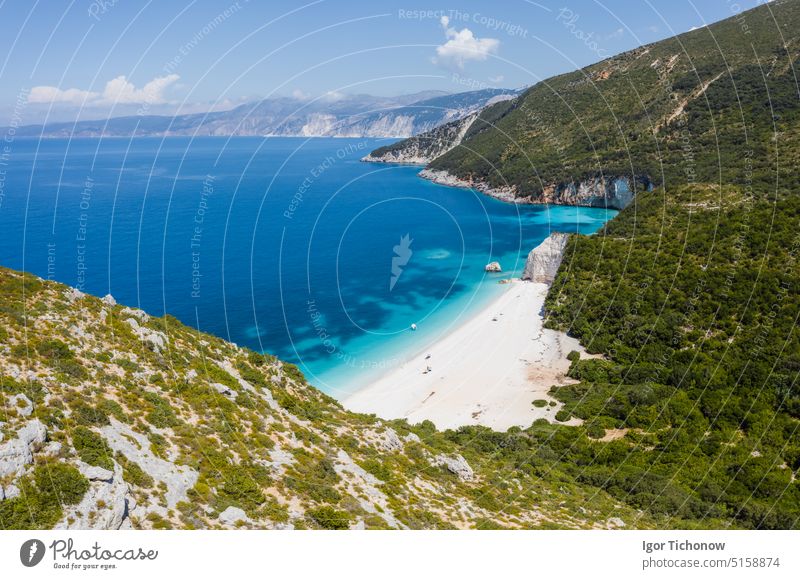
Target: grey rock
(231, 515)
(136, 447)
(411, 437)
(52, 448)
(73, 294)
(544, 260)
(17, 453)
(493, 267)
(95, 473)
(26, 409)
(455, 464)
(9, 492)
(136, 313)
(390, 441)
(280, 459)
(109, 300)
(154, 339)
(105, 506)
(225, 391)
(615, 523)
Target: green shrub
(42, 494)
(327, 517)
(563, 415)
(540, 403)
(133, 473)
(161, 415)
(92, 448)
(242, 490)
(89, 416)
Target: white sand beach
(487, 371)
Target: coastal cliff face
(545, 259)
(426, 147)
(607, 192)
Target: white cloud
(462, 46)
(117, 91)
(300, 95)
(616, 34)
(123, 92)
(52, 94)
(496, 79)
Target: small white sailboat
(413, 327)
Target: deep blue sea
(287, 245)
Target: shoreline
(486, 371)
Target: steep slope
(114, 419)
(339, 116)
(705, 106)
(694, 299)
(424, 148)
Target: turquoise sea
(287, 245)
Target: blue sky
(104, 57)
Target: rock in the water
(231, 515)
(493, 267)
(456, 464)
(544, 260)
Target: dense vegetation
(700, 107)
(694, 298)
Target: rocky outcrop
(426, 147)
(507, 194)
(493, 267)
(609, 192)
(233, 515)
(105, 505)
(606, 192)
(544, 260)
(154, 339)
(136, 448)
(17, 453)
(456, 464)
(21, 403)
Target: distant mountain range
(340, 116)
